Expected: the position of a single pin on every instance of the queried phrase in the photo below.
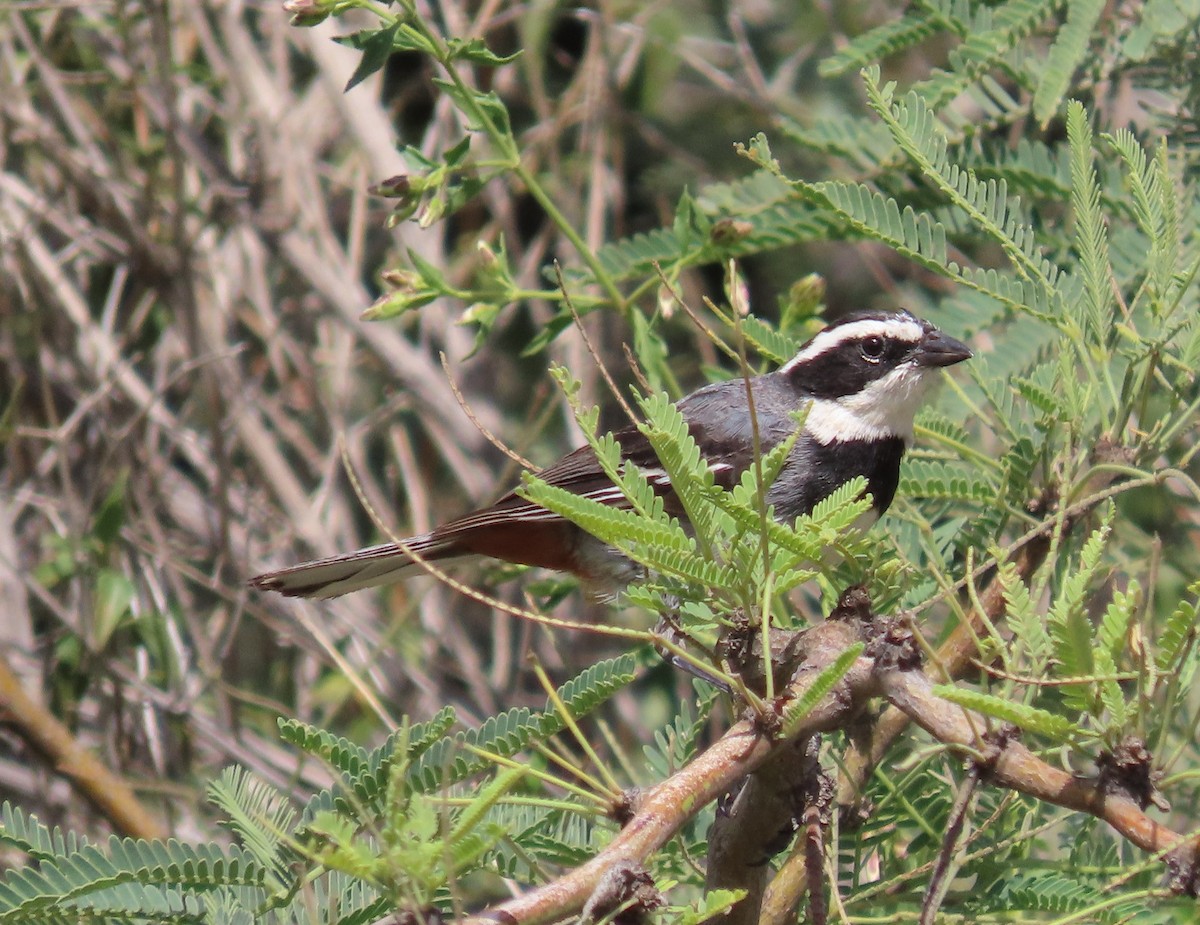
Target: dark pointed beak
(938, 349)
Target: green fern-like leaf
(676, 743)
(368, 778)
(1109, 694)
(142, 867)
(1023, 618)
(911, 233)
(715, 904)
(1040, 890)
(985, 203)
(1068, 621)
(772, 213)
(259, 814)
(1044, 398)
(628, 530)
(691, 478)
(863, 142)
(687, 566)
(26, 834)
(987, 40)
(589, 689)
(824, 682)
(919, 238)
(1179, 632)
(1091, 232)
(420, 736)
(1031, 166)
(1066, 54)
(342, 754)
(767, 341)
(1160, 23)
(1113, 629)
(944, 482)
(839, 510)
(811, 535)
(932, 425)
(345, 899)
(995, 106)
(1140, 178)
(538, 835)
(1154, 200)
(449, 761)
(473, 834)
(891, 37)
(1031, 719)
(1018, 465)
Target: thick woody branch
(1015, 766)
(757, 823)
(953, 660)
(665, 809)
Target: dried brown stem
(939, 879)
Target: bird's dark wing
(725, 438)
(727, 435)
(577, 472)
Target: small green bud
(308, 12)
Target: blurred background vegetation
(188, 243)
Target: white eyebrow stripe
(898, 328)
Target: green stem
(510, 154)
(607, 283)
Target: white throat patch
(884, 409)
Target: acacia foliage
(1013, 199)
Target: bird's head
(867, 373)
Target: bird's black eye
(872, 348)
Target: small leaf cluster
(398, 830)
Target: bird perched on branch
(863, 378)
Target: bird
(862, 377)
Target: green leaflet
(1070, 629)
(1091, 231)
(23, 832)
(448, 761)
(260, 816)
(918, 132)
(945, 482)
(148, 871)
(691, 479)
(1031, 719)
(824, 682)
(1066, 54)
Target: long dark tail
(366, 568)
